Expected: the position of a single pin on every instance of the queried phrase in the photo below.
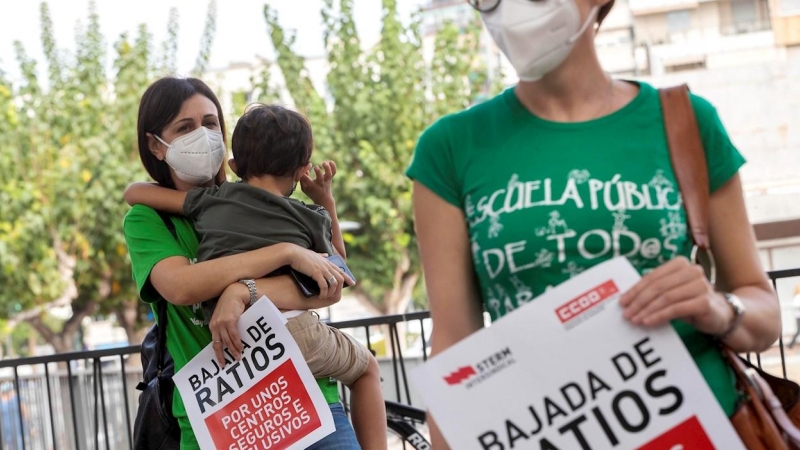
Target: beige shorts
(328, 351)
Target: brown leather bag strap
(766, 409)
(772, 425)
(688, 159)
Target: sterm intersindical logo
(478, 373)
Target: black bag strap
(168, 223)
(162, 304)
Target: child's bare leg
(368, 409)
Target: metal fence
(81, 400)
(87, 400)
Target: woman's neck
(578, 90)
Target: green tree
(67, 151)
(168, 63)
(207, 41)
(380, 101)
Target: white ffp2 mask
(536, 36)
(196, 157)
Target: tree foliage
(207, 41)
(380, 101)
(67, 151)
(68, 148)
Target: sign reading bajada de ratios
(266, 400)
(567, 371)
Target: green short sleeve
(149, 241)
(724, 160)
(433, 164)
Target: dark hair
(271, 140)
(160, 103)
(604, 10)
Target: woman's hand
(318, 189)
(224, 321)
(329, 276)
(677, 290)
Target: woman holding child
(181, 144)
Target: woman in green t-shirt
(187, 114)
(571, 168)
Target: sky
(241, 33)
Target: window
(790, 6)
(743, 12)
(678, 21)
(686, 66)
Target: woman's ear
(156, 148)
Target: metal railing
(87, 400)
(775, 276)
(399, 374)
(60, 399)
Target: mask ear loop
(589, 20)
(162, 141)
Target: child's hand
(318, 189)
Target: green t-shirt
(149, 242)
(545, 201)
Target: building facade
(742, 55)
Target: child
(272, 149)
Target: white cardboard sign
(266, 400)
(567, 371)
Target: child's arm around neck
(156, 197)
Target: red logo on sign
(586, 301)
(274, 414)
(688, 435)
(460, 375)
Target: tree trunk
(396, 300)
(62, 341)
(127, 314)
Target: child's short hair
(271, 140)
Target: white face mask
(536, 36)
(196, 157)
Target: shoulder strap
(167, 219)
(691, 170)
(162, 304)
(688, 159)
(162, 334)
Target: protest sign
(266, 400)
(567, 371)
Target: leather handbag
(155, 428)
(769, 414)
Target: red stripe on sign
(273, 414)
(586, 301)
(689, 435)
